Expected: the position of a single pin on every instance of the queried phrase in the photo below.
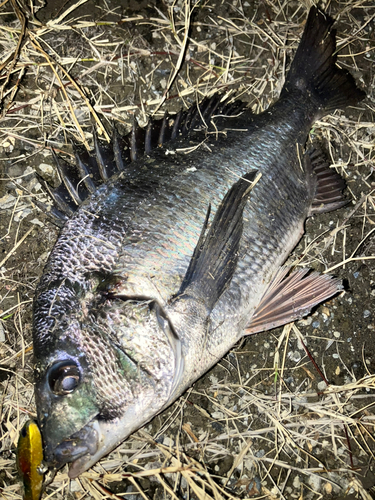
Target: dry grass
(244, 430)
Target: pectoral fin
(290, 296)
(216, 254)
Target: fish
(166, 261)
(30, 460)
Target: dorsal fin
(88, 167)
(72, 180)
(95, 167)
(105, 158)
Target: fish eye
(64, 377)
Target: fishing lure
(30, 460)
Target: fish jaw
(110, 433)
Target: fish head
(103, 368)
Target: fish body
(145, 290)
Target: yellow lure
(29, 459)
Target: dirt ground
(263, 423)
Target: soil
(288, 413)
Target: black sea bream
(167, 264)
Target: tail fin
(314, 69)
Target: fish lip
(78, 466)
(107, 439)
(110, 434)
(83, 443)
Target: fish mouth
(83, 443)
(100, 437)
(93, 441)
(103, 437)
(85, 448)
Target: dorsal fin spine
(91, 170)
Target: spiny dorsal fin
(71, 179)
(54, 214)
(216, 254)
(290, 296)
(87, 166)
(62, 199)
(91, 169)
(105, 158)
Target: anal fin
(290, 296)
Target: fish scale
(165, 266)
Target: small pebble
(37, 222)
(7, 201)
(295, 356)
(322, 386)
(328, 489)
(326, 311)
(297, 483)
(314, 482)
(167, 441)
